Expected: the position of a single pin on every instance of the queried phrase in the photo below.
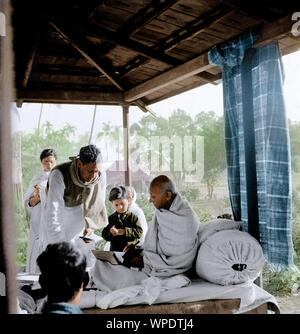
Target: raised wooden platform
(220, 306)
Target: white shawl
(171, 242)
(37, 226)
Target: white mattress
(250, 294)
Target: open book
(109, 256)
(118, 257)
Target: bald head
(162, 192)
(165, 183)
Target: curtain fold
(272, 167)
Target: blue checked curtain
(272, 147)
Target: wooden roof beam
(204, 78)
(195, 27)
(144, 16)
(268, 33)
(181, 72)
(82, 47)
(265, 11)
(176, 92)
(189, 31)
(68, 96)
(67, 70)
(31, 59)
(210, 78)
(142, 49)
(92, 59)
(93, 6)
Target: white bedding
(250, 294)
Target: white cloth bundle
(216, 225)
(109, 277)
(229, 257)
(145, 293)
(89, 298)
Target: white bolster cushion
(216, 225)
(229, 257)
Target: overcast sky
(205, 98)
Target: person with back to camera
(134, 208)
(35, 202)
(76, 197)
(63, 278)
(123, 226)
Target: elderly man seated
(170, 245)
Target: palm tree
(104, 134)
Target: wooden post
(7, 226)
(126, 144)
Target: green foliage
(286, 282)
(280, 283)
(294, 130)
(211, 128)
(191, 194)
(110, 134)
(109, 208)
(296, 237)
(227, 203)
(203, 215)
(22, 233)
(296, 163)
(47, 137)
(143, 202)
(181, 125)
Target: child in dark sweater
(123, 226)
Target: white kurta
(66, 223)
(134, 208)
(37, 228)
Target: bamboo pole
(93, 123)
(126, 145)
(38, 130)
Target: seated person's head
(131, 195)
(118, 198)
(162, 192)
(89, 162)
(63, 272)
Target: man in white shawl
(75, 199)
(170, 245)
(35, 201)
